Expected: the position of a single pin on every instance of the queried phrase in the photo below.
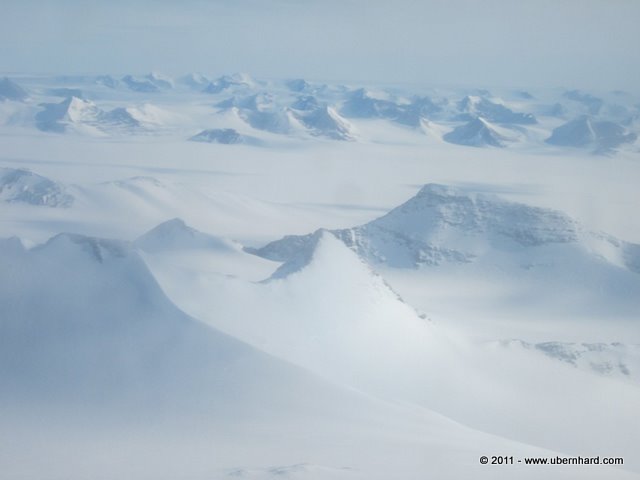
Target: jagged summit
(443, 224)
(175, 234)
(10, 90)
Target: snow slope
(327, 311)
(91, 345)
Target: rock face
(10, 90)
(477, 133)
(587, 132)
(24, 186)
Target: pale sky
(570, 43)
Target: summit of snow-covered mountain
(478, 132)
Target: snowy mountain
(24, 186)
(71, 112)
(323, 120)
(226, 136)
(10, 90)
(84, 116)
(442, 224)
(478, 132)
(196, 81)
(326, 310)
(473, 107)
(150, 83)
(417, 112)
(176, 235)
(326, 299)
(92, 347)
(588, 132)
(227, 82)
(261, 112)
(107, 81)
(298, 85)
(106, 337)
(364, 104)
(593, 104)
(258, 102)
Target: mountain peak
(176, 235)
(10, 90)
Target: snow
(389, 306)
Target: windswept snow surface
(322, 286)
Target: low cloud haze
(590, 44)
